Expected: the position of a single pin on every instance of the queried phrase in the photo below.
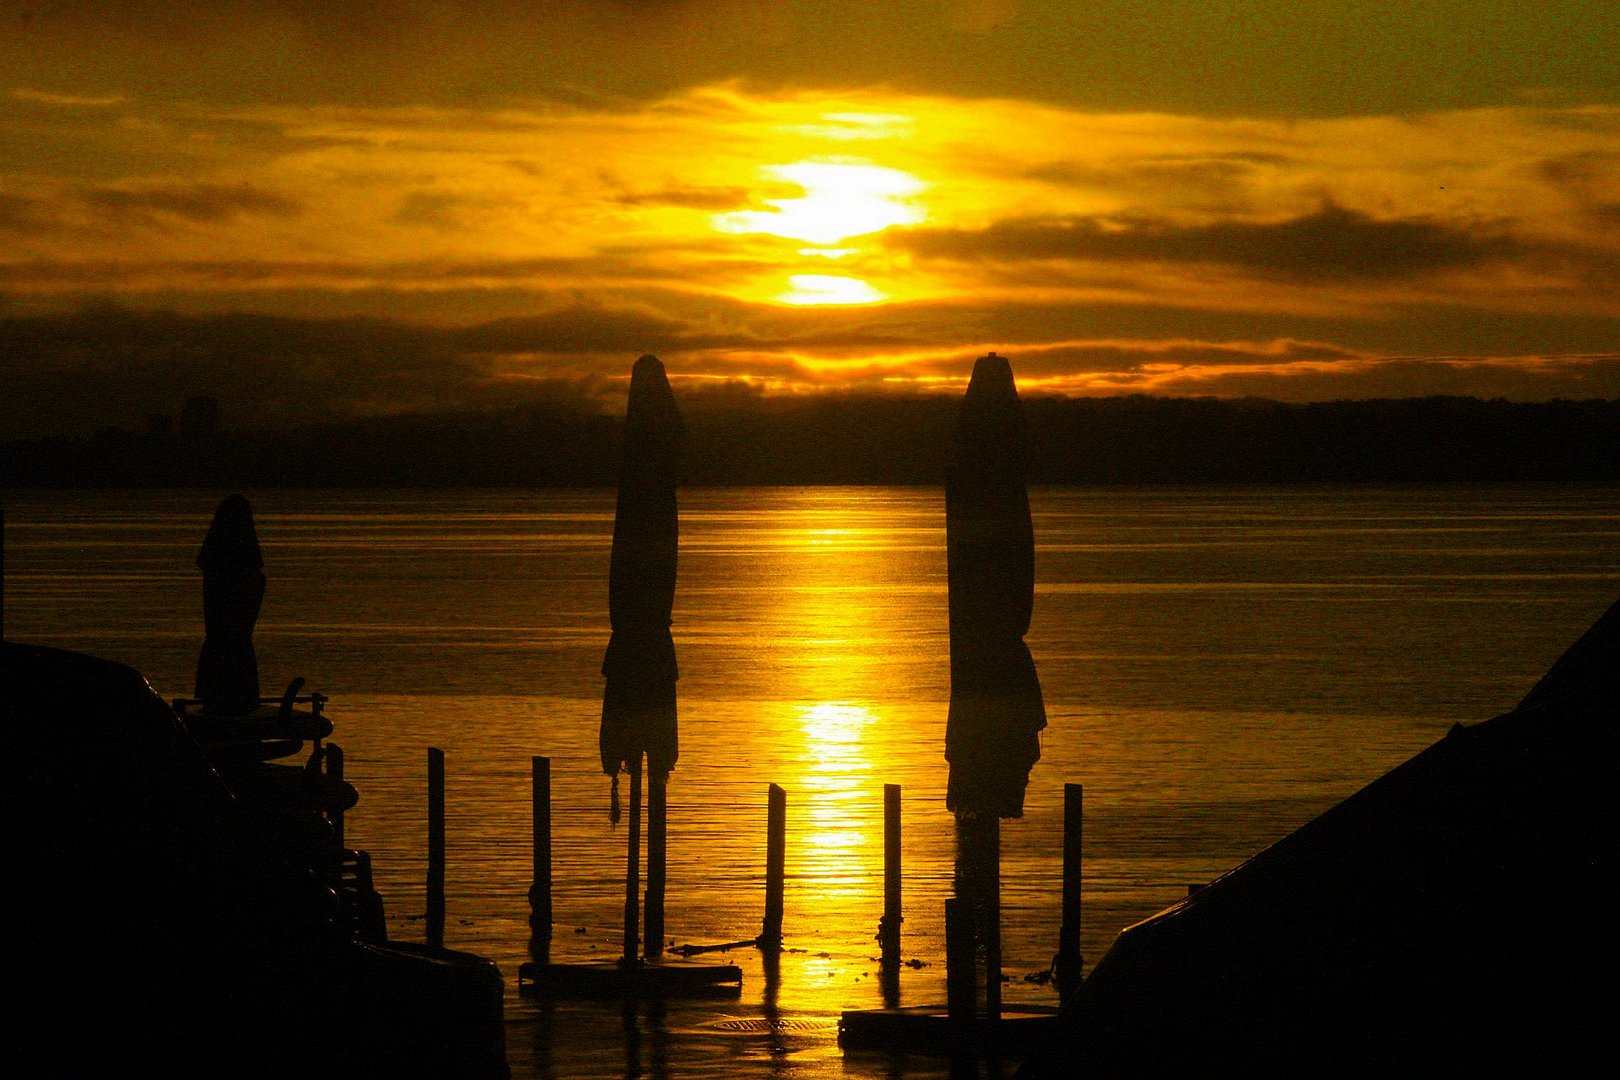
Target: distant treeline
(871, 440)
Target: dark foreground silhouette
(1454, 916)
(164, 919)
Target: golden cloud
(816, 238)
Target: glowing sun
(839, 200)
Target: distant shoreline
(18, 490)
(881, 441)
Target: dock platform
(615, 978)
(928, 1029)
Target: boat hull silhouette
(176, 928)
(1453, 916)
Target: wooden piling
(770, 935)
(1067, 968)
(889, 925)
(540, 891)
(435, 852)
(990, 932)
(632, 873)
(657, 819)
(334, 773)
(961, 979)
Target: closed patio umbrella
(638, 702)
(992, 734)
(233, 589)
(227, 713)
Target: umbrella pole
(632, 873)
(978, 883)
(657, 816)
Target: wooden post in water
(657, 847)
(540, 890)
(334, 773)
(889, 925)
(960, 978)
(435, 852)
(770, 936)
(1068, 967)
(632, 872)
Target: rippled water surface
(1219, 667)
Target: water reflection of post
(638, 703)
(544, 1031)
(992, 736)
(645, 1019)
(657, 1021)
(631, 1021)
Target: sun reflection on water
(836, 785)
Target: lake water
(1219, 666)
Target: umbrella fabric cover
(638, 703)
(233, 589)
(992, 735)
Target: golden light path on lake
(837, 778)
(831, 584)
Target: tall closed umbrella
(992, 734)
(638, 702)
(233, 588)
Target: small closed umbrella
(638, 702)
(992, 734)
(233, 588)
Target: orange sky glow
(799, 228)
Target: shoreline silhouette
(870, 439)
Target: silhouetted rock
(1454, 916)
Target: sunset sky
(414, 204)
